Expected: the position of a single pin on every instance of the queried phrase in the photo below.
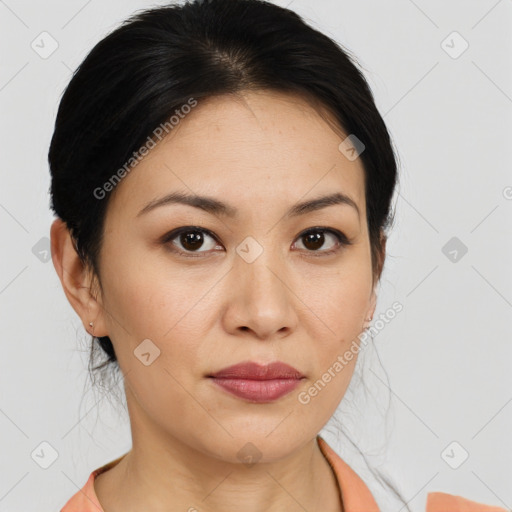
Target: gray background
(447, 354)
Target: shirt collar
(355, 494)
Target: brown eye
(314, 239)
(190, 239)
(196, 241)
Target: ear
(382, 255)
(380, 265)
(371, 309)
(77, 281)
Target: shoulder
(85, 500)
(444, 502)
(357, 496)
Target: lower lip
(259, 391)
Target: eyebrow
(216, 207)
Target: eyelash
(342, 240)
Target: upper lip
(255, 371)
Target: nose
(261, 299)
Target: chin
(254, 445)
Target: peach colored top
(355, 493)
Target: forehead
(255, 147)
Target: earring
(91, 324)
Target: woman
(222, 181)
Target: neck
(162, 473)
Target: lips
(258, 383)
(255, 371)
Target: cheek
(334, 351)
(148, 299)
(339, 298)
(337, 306)
(150, 303)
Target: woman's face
(240, 284)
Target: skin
(261, 153)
